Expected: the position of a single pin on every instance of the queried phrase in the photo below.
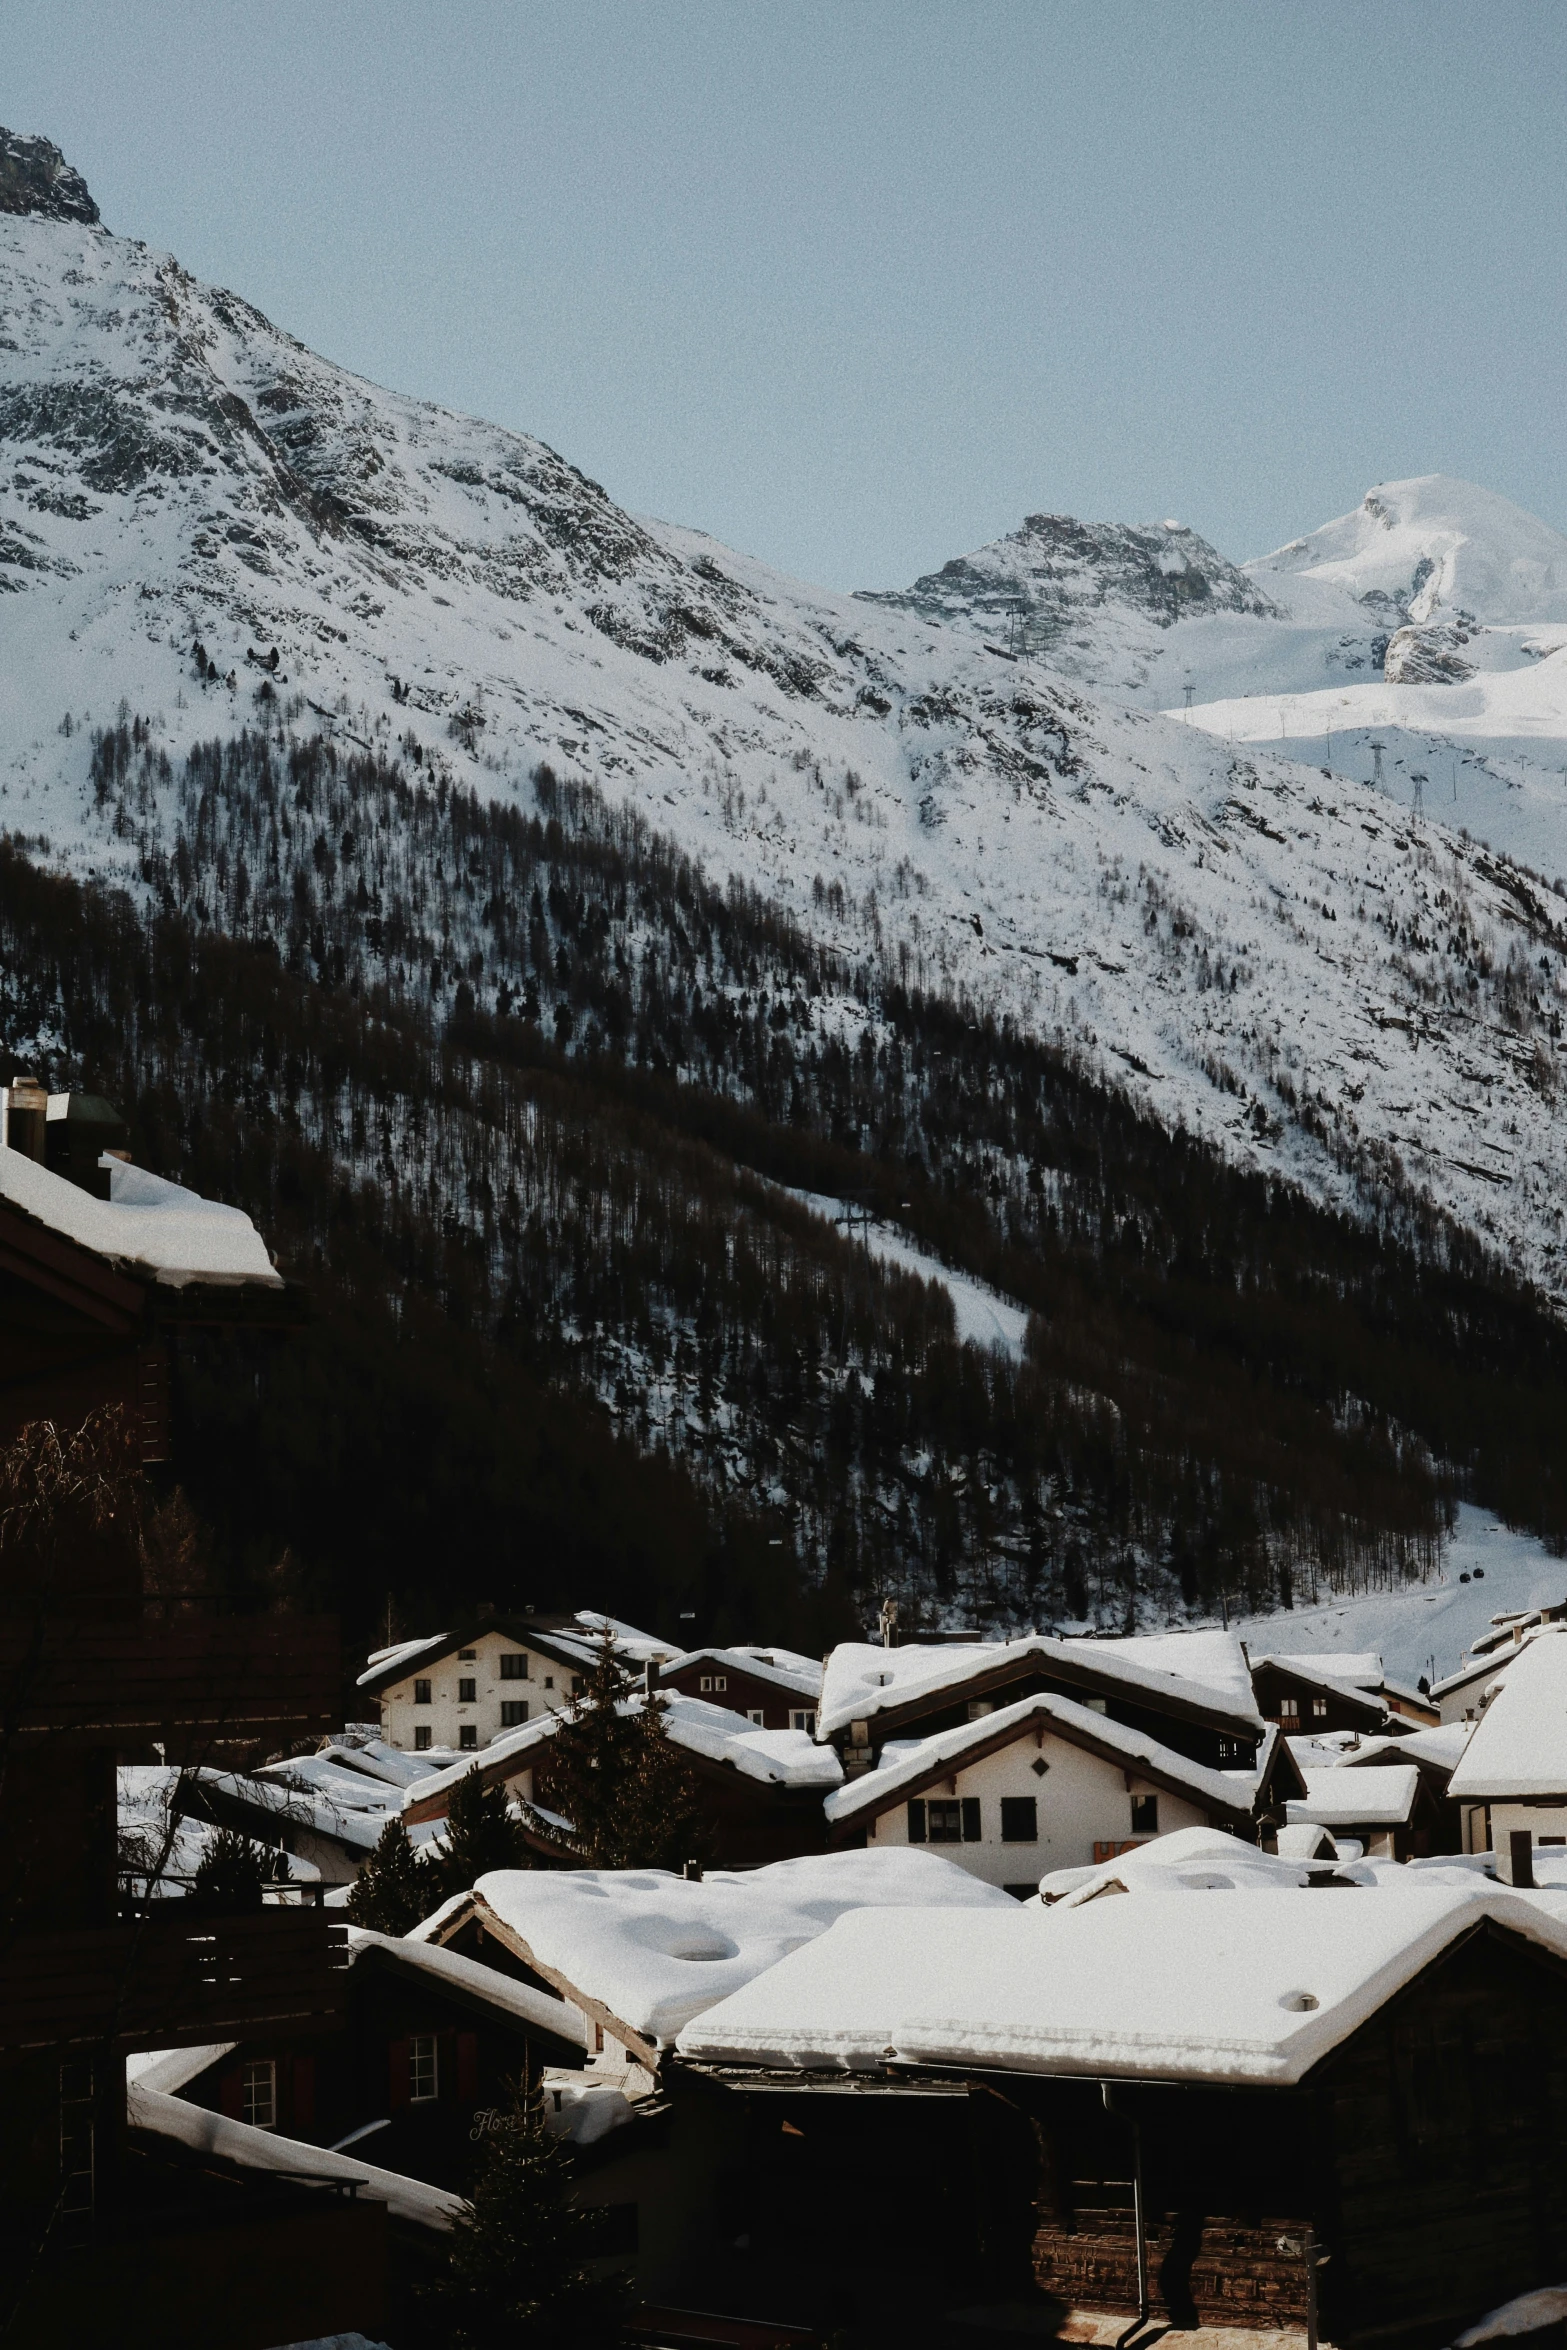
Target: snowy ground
(1427, 1628)
(984, 1317)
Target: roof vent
(81, 1130)
(25, 1106)
(1299, 2002)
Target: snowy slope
(1279, 960)
(1430, 546)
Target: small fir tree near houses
(619, 1794)
(520, 2274)
(395, 1889)
(482, 1833)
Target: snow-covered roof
(862, 1681)
(776, 1758)
(1519, 1745)
(1439, 1747)
(908, 1763)
(654, 1949)
(335, 1809)
(146, 1225)
(1234, 1987)
(1361, 1668)
(472, 1975)
(266, 2150)
(1380, 1796)
(1190, 1860)
(632, 1644)
(402, 1652)
(172, 2069)
(801, 1675)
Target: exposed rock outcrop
(35, 177)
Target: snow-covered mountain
(1429, 548)
(1276, 957)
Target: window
(949, 1822)
(423, 2073)
(467, 1734)
(576, 1684)
(514, 1666)
(757, 1716)
(1019, 1819)
(1319, 1709)
(514, 1712)
(258, 2097)
(422, 1738)
(549, 1680)
(421, 1693)
(715, 1681)
(1289, 1709)
(1145, 1815)
(467, 1691)
(467, 1656)
(802, 1718)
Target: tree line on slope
(500, 1084)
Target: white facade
(467, 1696)
(1084, 1809)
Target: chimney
(81, 1130)
(650, 1676)
(27, 1106)
(1520, 1844)
(693, 1872)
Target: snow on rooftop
(1519, 1745)
(1440, 1745)
(471, 1974)
(1231, 1988)
(862, 1680)
(906, 1759)
(778, 1758)
(1381, 1795)
(400, 1652)
(267, 2150)
(1360, 1669)
(800, 1674)
(655, 1949)
(146, 1224)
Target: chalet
(762, 1790)
(1511, 1781)
(460, 1691)
(1305, 1699)
(1190, 1692)
(331, 1821)
(1333, 2115)
(102, 1267)
(637, 1953)
(427, 2041)
(1464, 1695)
(1435, 1754)
(1388, 1809)
(774, 1689)
(1044, 1784)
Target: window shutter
(303, 2088)
(397, 2083)
(231, 2092)
(916, 1821)
(972, 1831)
(467, 2064)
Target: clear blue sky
(857, 286)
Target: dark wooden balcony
(173, 1979)
(190, 1684)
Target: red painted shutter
(304, 2089)
(231, 2092)
(467, 2064)
(397, 2083)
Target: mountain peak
(35, 178)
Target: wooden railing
(192, 1683)
(174, 1979)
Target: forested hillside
(512, 1092)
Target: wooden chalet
(871, 1696)
(1103, 2116)
(428, 2040)
(773, 1689)
(101, 1267)
(1305, 1701)
(761, 1790)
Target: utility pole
(1188, 690)
(1419, 782)
(1377, 750)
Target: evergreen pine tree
(613, 1771)
(395, 1888)
(231, 1874)
(481, 1834)
(519, 2278)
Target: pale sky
(857, 286)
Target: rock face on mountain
(1271, 958)
(1432, 655)
(35, 178)
(1431, 547)
(1055, 585)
